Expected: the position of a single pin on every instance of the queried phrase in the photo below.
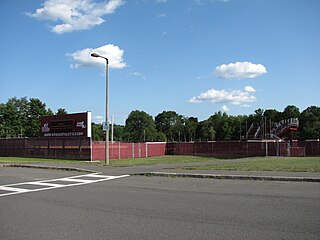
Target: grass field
(285, 164)
(116, 163)
(35, 160)
(160, 160)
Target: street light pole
(107, 107)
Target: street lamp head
(95, 55)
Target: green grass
(115, 163)
(284, 164)
(159, 160)
(38, 160)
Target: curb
(231, 177)
(180, 175)
(48, 167)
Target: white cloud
(240, 70)
(225, 108)
(235, 97)
(249, 89)
(110, 51)
(98, 119)
(138, 75)
(74, 15)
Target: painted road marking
(12, 189)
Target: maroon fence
(59, 148)
(119, 150)
(234, 149)
(312, 147)
(83, 149)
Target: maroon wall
(233, 149)
(60, 148)
(119, 150)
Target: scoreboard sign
(69, 125)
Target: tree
(118, 131)
(61, 111)
(97, 132)
(290, 112)
(189, 128)
(310, 123)
(273, 115)
(222, 126)
(36, 109)
(14, 117)
(171, 124)
(140, 127)
(205, 131)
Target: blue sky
(195, 57)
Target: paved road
(159, 208)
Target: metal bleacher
(278, 130)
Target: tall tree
(36, 109)
(171, 124)
(14, 117)
(290, 112)
(205, 131)
(97, 132)
(189, 128)
(61, 111)
(140, 127)
(310, 123)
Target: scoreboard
(68, 125)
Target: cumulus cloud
(98, 119)
(112, 52)
(249, 89)
(240, 70)
(225, 108)
(235, 97)
(74, 15)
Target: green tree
(273, 115)
(14, 117)
(310, 123)
(222, 125)
(189, 128)
(118, 131)
(97, 132)
(205, 131)
(171, 124)
(61, 111)
(290, 112)
(140, 127)
(36, 109)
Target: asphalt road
(158, 208)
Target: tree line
(21, 118)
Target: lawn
(159, 160)
(117, 162)
(35, 160)
(285, 164)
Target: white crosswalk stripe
(18, 188)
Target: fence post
(139, 150)
(266, 148)
(119, 151)
(132, 150)
(146, 150)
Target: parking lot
(137, 207)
